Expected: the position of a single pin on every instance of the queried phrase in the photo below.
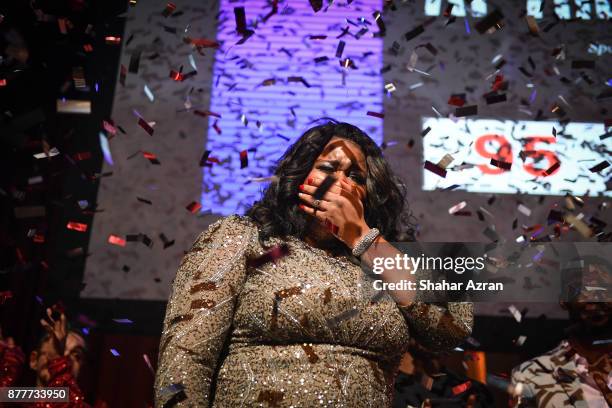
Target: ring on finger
(316, 204)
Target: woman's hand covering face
(341, 209)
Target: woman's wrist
(365, 242)
(358, 236)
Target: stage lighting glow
(266, 102)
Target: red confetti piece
(122, 75)
(39, 238)
(3, 82)
(448, 10)
(76, 226)
(170, 7)
(143, 124)
(456, 100)
(204, 43)
(176, 76)
(272, 255)
(115, 240)
(151, 157)
(244, 159)
(376, 114)
(82, 156)
(497, 83)
(4, 296)
(19, 255)
(148, 363)
(87, 48)
(194, 207)
(109, 126)
(434, 168)
(61, 22)
(206, 113)
(461, 388)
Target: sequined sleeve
(200, 312)
(521, 380)
(438, 326)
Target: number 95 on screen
(504, 156)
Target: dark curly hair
(277, 213)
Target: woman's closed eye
(358, 177)
(355, 175)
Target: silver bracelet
(365, 242)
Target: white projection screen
(543, 157)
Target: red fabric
(59, 369)
(11, 364)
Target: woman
(307, 329)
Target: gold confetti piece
(532, 24)
(78, 76)
(73, 106)
(445, 161)
(569, 204)
(578, 225)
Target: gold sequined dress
(308, 330)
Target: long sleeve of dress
(438, 326)
(200, 313)
(61, 376)
(11, 364)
